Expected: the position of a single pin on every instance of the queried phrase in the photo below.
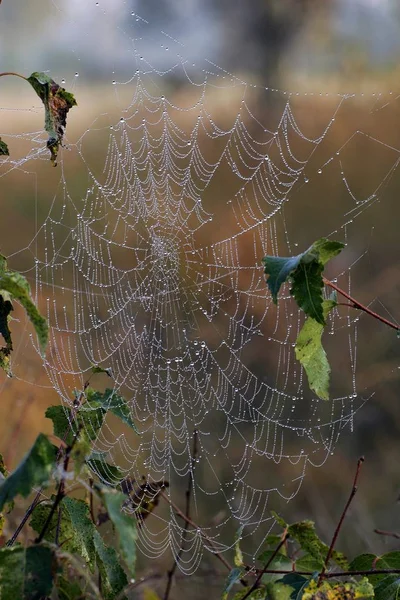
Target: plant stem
(264, 570)
(6, 73)
(340, 523)
(388, 533)
(171, 572)
(59, 498)
(359, 306)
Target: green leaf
(280, 562)
(311, 354)
(97, 369)
(107, 473)
(70, 538)
(26, 573)
(238, 558)
(68, 590)
(388, 588)
(309, 563)
(363, 562)
(278, 591)
(390, 560)
(304, 533)
(89, 418)
(57, 102)
(80, 452)
(78, 512)
(305, 273)
(114, 403)
(279, 520)
(233, 577)
(35, 470)
(296, 582)
(4, 151)
(124, 525)
(5, 310)
(17, 286)
(113, 578)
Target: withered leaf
(57, 102)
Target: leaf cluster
(297, 570)
(305, 274)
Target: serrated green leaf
(114, 403)
(109, 474)
(363, 562)
(68, 537)
(4, 151)
(309, 563)
(304, 533)
(233, 577)
(34, 470)
(307, 285)
(57, 103)
(78, 512)
(279, 520)
(113, 578)
(124, 525)
(17, 286)
(390, 560)
(26, 573)
(311, 354)
(305, 273)
(89, 419)
(388, 588)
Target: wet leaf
(26, 573)
(57, 103)
(238, 558)
(34, 470)
(114, 403)
(18, 288)
(304, 271)
(97, 369)
(311, 354)
(125, 526)
(113, 578)
(108, 474)
(88, 419)
(4, 149)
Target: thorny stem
(340, 523)
(171, 572)
(264, 570)
(35, 501)
(355, 304)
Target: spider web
(148, 262)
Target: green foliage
(35, 470)
(112, 402)
(4, 151)
(57, 103)
(305, 273)
(26, 573)
(14, 286)
(311, 354)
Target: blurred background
(304, 47)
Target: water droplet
(319, 171)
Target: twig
(59, 498)
(264, 570)
(356, 304)
(13, 74)
(388, 533)
(189, 490)
(340, 523)
(329, 575)
(35, 501)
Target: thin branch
(356, 304)
(189, 490)
(6, 73)
(35, 501)
(57, 501)
(340, 523)
(329, 575)
(264, 570)
(388, 533)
